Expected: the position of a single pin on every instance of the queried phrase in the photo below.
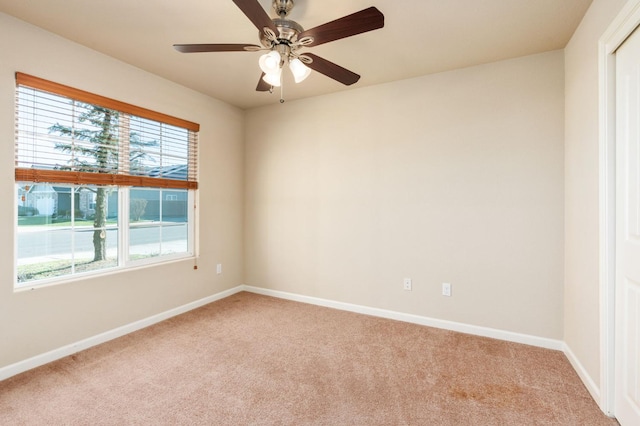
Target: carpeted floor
(256, 360)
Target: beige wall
(581, 308)
(455, 177)
(37, 321)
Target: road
(53, 241)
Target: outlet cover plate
(446, 289)
(407, 284)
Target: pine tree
(99, 127)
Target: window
(100, 184)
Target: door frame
(622, 26)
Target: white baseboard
(38, 360)
(416, 319)
(591, 386)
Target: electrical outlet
(219, 268)
(407, 284)
(446, 289)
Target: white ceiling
(420, 37)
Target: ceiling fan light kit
(282, 38)
(299, 70)
(270, 62)
(274, 79)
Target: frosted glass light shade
(269, 62)
(299, 70)
(273, 78)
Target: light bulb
(269, 62)
(299, 70)
(273, 78)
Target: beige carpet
(251, 359)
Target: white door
(627, 362)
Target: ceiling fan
(283, 38)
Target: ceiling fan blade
(332, 70)
(347, 26)
(193, 48)
(256, 14)
(263, 86)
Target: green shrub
(27, 211)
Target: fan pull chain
(281, 92)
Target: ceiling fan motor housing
(288, 31)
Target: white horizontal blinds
(161, 150)
(193, 156)
(70, 136)
(58, 133)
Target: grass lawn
(39, 271)
(59, 268)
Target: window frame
(123, 184)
